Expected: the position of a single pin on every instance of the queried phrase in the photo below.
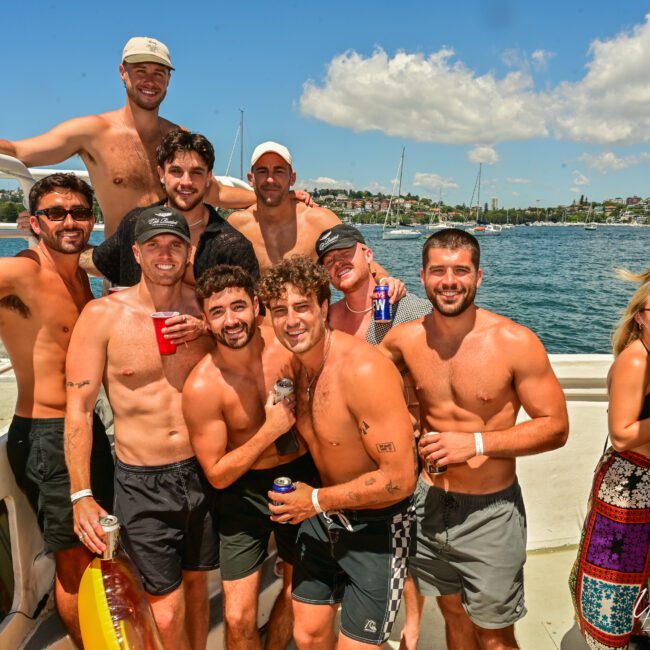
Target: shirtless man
(343, 251)
(119, 147)
(354, 538)
(474, 370)
(162, 500)
(234, 423)
(42, 292)
(278, 225)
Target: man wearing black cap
(162, 499)
(343, 251)
(119, 147)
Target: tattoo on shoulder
(363, 427)
(391, 489)
(385, 447)
(81, 384)
(370, 481)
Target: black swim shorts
(360, 560)
(168, 519)
(245, 520)
(35, 451)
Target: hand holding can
(433, 467)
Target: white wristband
(478, 443)
(314, 501)
(75, 496)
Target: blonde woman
(609, 579)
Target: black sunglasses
(57, 213)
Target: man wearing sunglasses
(119, 147)
(42, 292)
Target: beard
(455, 309)
(271, 200)
(151, 105)
(61, 245)
(189, 204)
(241, 342)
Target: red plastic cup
(165, 346)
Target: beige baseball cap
(143, 49)
(271, 147)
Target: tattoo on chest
(14, 303)
(81, 384)
(363, 427)
(385, 447)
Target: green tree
(8, 212)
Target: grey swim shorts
(475, 545)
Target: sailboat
(395, 230)
(481, 228)
(590, 225)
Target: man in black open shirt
(185, 162)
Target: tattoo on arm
(353, 496)
(363, 427)
(385, 447)
(370, 481)
(81, 384)
(391, 489)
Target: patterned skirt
(609, 578)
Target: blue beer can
(380, 304)
(282, 484)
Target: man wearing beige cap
(281, 226)
(119, 147)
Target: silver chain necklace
(310, 382)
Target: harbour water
(560, 282)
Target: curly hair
(307, 276)
(224, 276)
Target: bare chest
(275, 244)
(134, 361)
(475, 378)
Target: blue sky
(551, 96)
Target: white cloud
(436, 98)
(610, 104)
(518, 181)
(486, 155)
(426, 98)
(376, 187)
(609, 161)
(580, 180)
(433, 181)
(515, 193)
(323, 183)
(541, 58)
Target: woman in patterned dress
(609, 580)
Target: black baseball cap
(341, 236)
(159, 219)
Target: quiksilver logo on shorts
(370, 626)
